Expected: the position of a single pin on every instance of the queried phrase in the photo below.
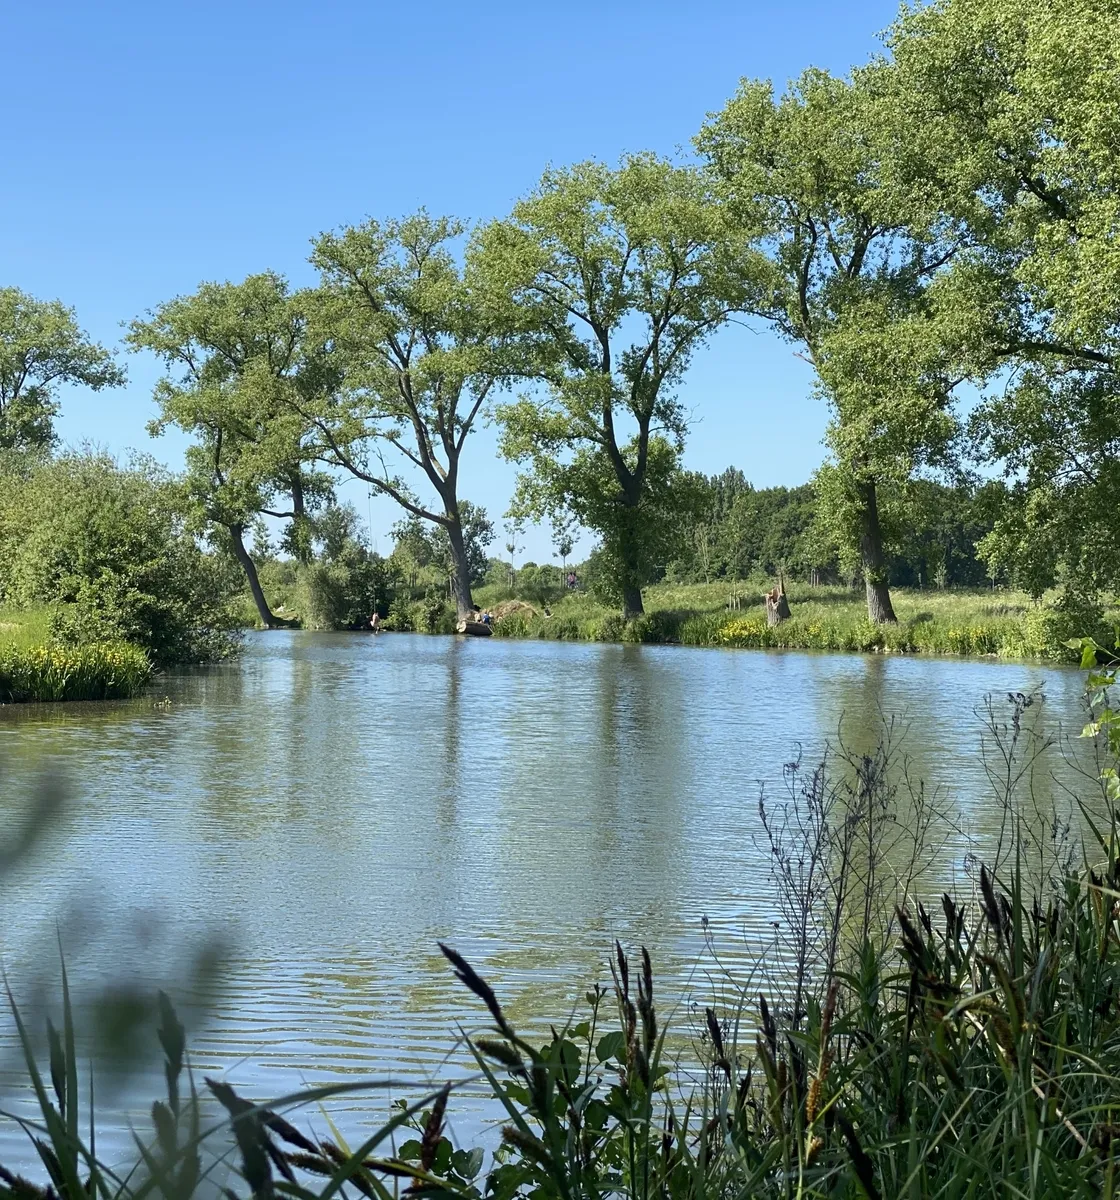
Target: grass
(1004, 624)
(35, 668)
(24, 627)
(965, 1051)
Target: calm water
(333, 805)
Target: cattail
(623, 968)
(288, 1132)
(988, 901)
(501, 1052)
(645, 1002)
(433, 1135)
(716, 1034)
(526, 1143)
(813, 1100)
(466, 974)
(816, 1144)
(768, 1026)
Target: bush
(343, 594)
(109, 547)
(1049, 627)
(97, 671)
(432, 614)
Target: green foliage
(620, 275)
(108, 547)
(856, 268)
(1009, 108)
(418, 545)
(94, 671)
(979, 624)
(242, 364)
(348, 583)
(431, 614)
(42, 346)
(422, 353)
(540, 584)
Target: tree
(857, 280)
(238, 356)
(42, 346)
(421, 544)
(422, 356)
(622, 274)
(348, 582)
(1013, 119)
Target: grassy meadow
(999, 623)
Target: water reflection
(338, 803)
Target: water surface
(334, 805)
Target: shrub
(109, 547)
(1049, 627)
(344, 593)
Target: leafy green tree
(42, 346)
(347, 582)
(111, 549)
(422, 357)
(857, 281)
(1011, 110)
(419, 544)
(622, 274)
(238, 355)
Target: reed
(49, 672)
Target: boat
(475, 628)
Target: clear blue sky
(153, 145)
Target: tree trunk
(460, 572)
(632, 602)
(237, 539)
(879, 608)
(777, 606)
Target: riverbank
(974, 624)
(34, 668)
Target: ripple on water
(332, 805)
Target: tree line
(935, 233)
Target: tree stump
(777, 606)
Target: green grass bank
(36, 668)
(981, 623)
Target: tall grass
(97, 671)
(1007, 625)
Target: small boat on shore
(475, 628)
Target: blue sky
(150, 146)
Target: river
(330, 806)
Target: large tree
(1013, 119)
(422, 356)
(623, 273)
(42, 346)
(859, 281)
(241, 364)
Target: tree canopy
(41, 347)
(621, 274)
(241, 366)
(422, 355)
